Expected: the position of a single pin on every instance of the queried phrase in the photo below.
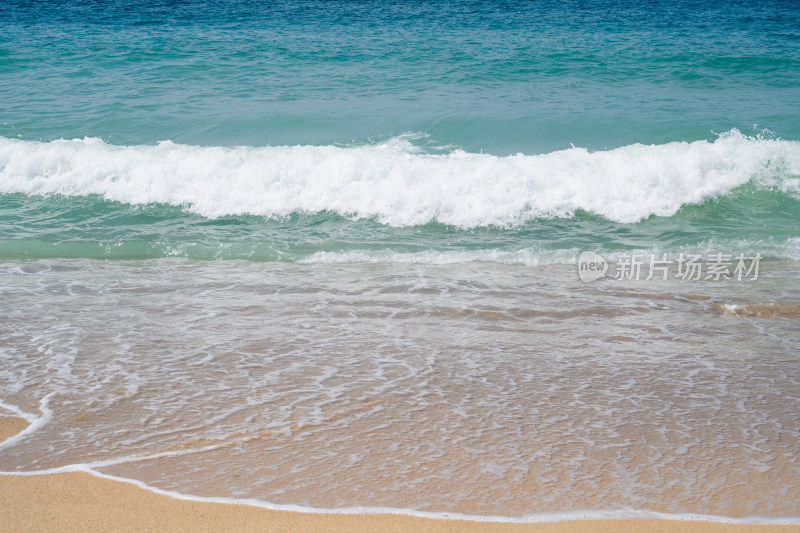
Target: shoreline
(82, 501)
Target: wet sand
(10, 426)
(82, 502)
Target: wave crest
(397, 184)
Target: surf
(400, 184)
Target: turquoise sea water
(321, 254)
(418, 83)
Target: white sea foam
(525, 256)
(35, 422)
(535, 256)
(399, 185)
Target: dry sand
(82, 502)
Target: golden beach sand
(86, 503)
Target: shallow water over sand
(475, 388)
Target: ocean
(505, 260)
